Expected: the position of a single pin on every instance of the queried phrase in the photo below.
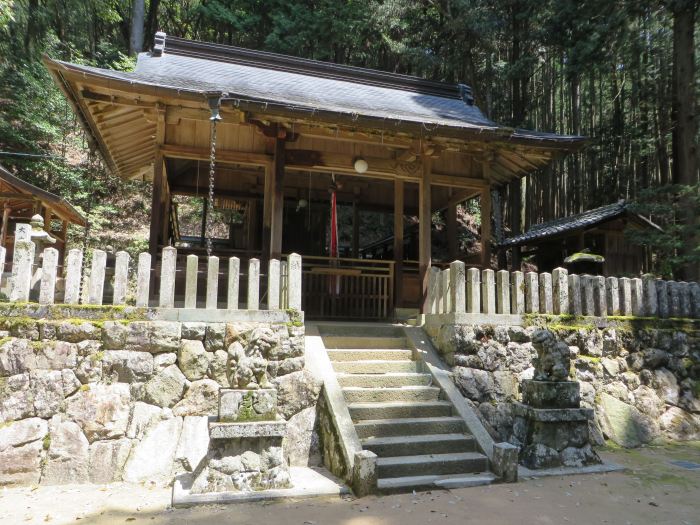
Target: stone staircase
(399, 414)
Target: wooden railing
(340, 288)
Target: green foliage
(669, 205)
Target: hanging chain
(212, 166)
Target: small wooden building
(599, 231)
(21, 200)
(290, 130)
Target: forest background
(621, 72)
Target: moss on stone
(84, 388)
(4, 340)
(46, 442)
(97, 356)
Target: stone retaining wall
(130, 399)
(642, 377)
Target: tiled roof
(566, 224)
(312, 86)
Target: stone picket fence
(283, 279)
(473, 291)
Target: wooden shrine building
(599, 231)
(20, 201)
(290, 129)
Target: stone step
(389, 380)
(409, 426)
(454, 481)
(420, 445)
(362, 329)
(380, 395)
(363, 354)
(377, 367)
(431, 464)
(399, 409)
(364, 342)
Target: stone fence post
(167, 277)
(651, 304)
(234, 276)
(191, 270)
(97, 277)
(433, 290)
(121, 277)
(446, 291)
(253, 284)
(560, 289)
(575, 306)
(503, 292)
(294, 267)
(457, 287)
(488, 292)
(143, 280)
(273, 285)
(49, 268)
(212, 300)
(22, 266)
(612, 295)
(532, 298)
(473, 287)
(517, 293)
(73, 271)
(546, 303)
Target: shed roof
(572, 223)
(62, 208)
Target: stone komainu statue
(553, 357)
(247, 360)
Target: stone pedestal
(551, 426)
(245, 454)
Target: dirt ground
(652, 490)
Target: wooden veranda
(289, 130)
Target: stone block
(166, 388)
(101, 410)
(551, 394)
(193, 359)
(68, 457)
(504, 461)
(152, 459)
(107, 460)
(250, 430)
(364, 473)
(247, 405)
(200, 400)
(194, 442)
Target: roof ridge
(165, 44)
(567, 218)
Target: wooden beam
(277, 199)
(398, 241)
(222, 155)
(115, 100)
(424, 229)
(486, 228)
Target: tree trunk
(685, 169)
(138, 13)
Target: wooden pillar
(486, 227)
(156, 211)
(424, 227)
(452, 230)
(251, 226)
(5, 220)
(277, 199)
(267, 214)
(205, 212)
(165, 224)
(515, 222)
(398, 242)
(355, 230)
